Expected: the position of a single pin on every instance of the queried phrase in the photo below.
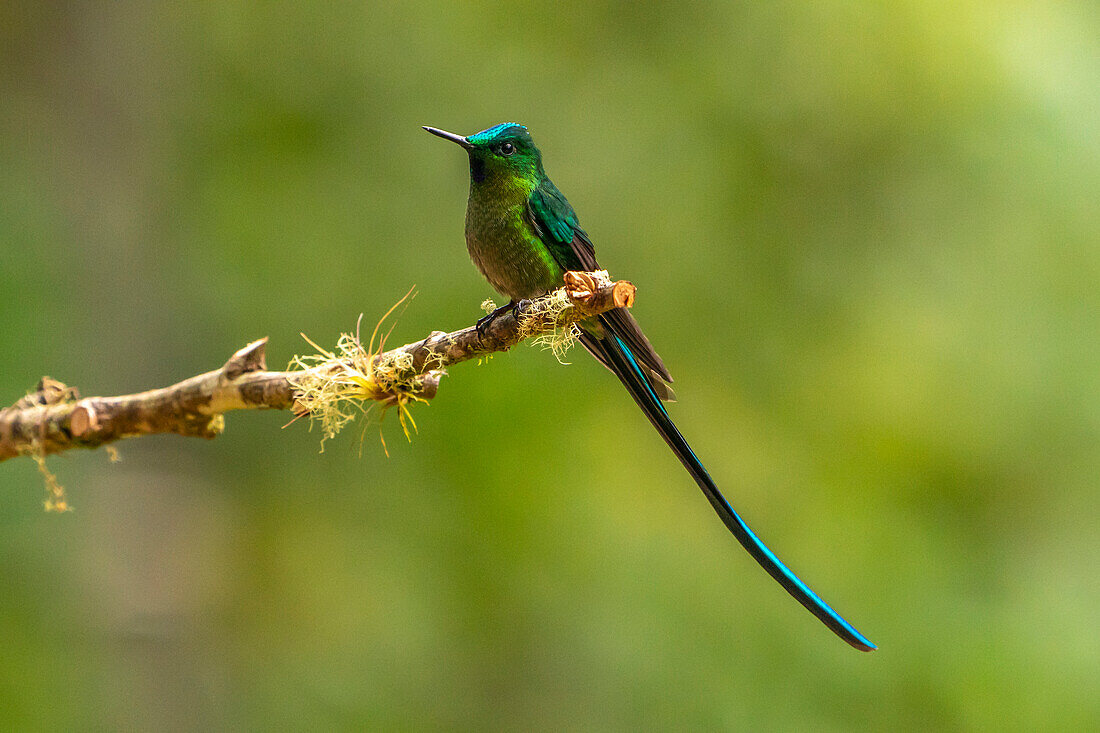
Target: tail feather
(617, 356)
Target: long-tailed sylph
(523, 236)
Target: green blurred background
(865, 237)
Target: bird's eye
(507, 149)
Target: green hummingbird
(523, 236)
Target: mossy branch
(54, 418)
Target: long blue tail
(611, 350)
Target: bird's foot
(519, 307)
(483, 322)
(516, 308)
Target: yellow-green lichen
(55, 493)
(546, 321)
(332, 387)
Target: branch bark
(54, 418)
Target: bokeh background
(866, 241)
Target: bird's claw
(519, 306)
(483, 322)
(515, 307)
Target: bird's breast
(504, 247)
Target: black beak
(450, 136)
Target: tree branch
(54, 418)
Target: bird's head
(504, 150)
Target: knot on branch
(83, 420)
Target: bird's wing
(556, 224)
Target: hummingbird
(523, 236)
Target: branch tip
(251, 358)
(48, 391)
(623, 294)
